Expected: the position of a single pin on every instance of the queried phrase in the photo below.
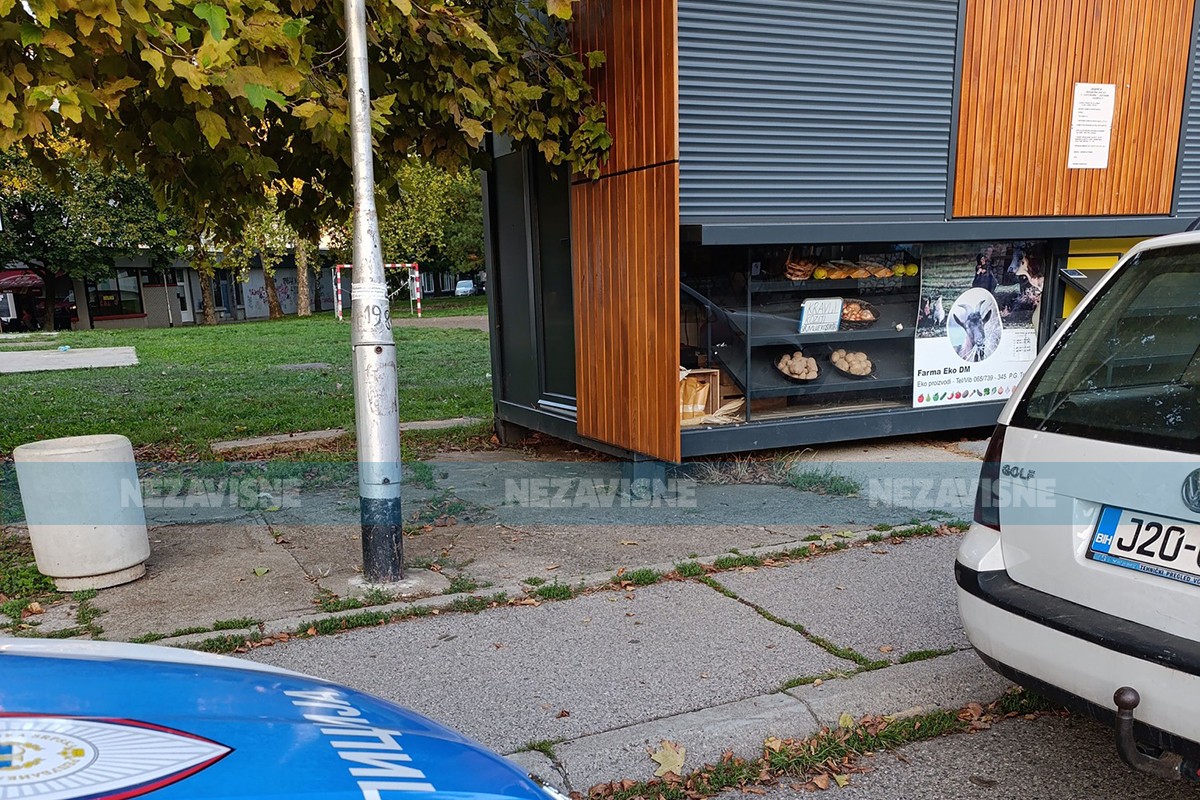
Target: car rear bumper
(1080, 657)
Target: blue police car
(91, 720)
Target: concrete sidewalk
(74, 358)
(588, 648)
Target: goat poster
(977, 320)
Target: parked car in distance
(85, 719)
(1080, 577)
(464, 288)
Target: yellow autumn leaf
(136, 9)
(845, 720)
(473, 128)
(71, 112)
(559, 8)
(154, 59)
(669, 758)
(190, 73)
(212, 125)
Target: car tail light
(987, 497)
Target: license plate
(1169, 548)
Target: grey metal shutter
(1189, 156)
(818, 109)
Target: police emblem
(62, 758)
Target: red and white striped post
(416, 271)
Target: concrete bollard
(84, 509)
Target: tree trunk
(303, 295)
(208, 305)
(50, 285)
(273, 309)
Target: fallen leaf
(283, 637)
(629, 543)
(821, 781)
(971, 711)
(311, 631)
(526, 601)
(840, 588)
(887, 648)
(669, 758)
(845, 720)
(826, 537)
(620, 572)
(774, 744)
(703, 674)
(260, 571)
(552, 567)
(563, 714)
(35, 608)
(842, 780)
(817, 682)
(987, 783)
(845, 534)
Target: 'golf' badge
(61, 758)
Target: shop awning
(15, 280)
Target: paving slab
(1049, 758)
(565, 670)
(198, 575)
(899, 596)
(283, 439)
(740, 727)
(75, 358)
(947, 682)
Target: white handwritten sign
(1091, 125)
(821, 315)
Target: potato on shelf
(798, 366)
(852, 363)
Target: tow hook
(1168, 766)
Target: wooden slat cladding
(1021, 61)
(638, 82)
(625, 249)
(625, 234)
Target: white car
(464, 288)
(1080, 577)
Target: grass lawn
(474, 306)
(197, 385)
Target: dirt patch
(474, 323)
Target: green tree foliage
(265, 236)
(218, 100)
(437, 220)
(81, 221)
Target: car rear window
(1129, 370)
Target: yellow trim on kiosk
(1086, 255)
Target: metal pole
(376, 405)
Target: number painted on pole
(380, 316)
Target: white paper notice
(1091, 125)
(821, 315)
